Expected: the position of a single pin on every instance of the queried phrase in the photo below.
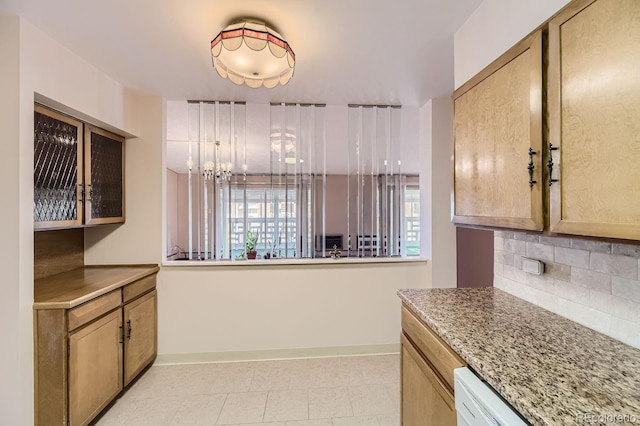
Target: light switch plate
(532, 266)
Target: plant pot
(251, 254)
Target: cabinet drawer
(91, 310)
(414, 371)
(438, 353)
(139, 287)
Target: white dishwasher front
(477, 404)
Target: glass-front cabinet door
(104, 176)
(57, 165)
(78, 172)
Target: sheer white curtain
(216, 165)
(376, 182)
(298, 162)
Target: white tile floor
(347, 391)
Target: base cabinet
(141, 342)
(424, 401)
(95, 367)
(86, 355)
(427, 376)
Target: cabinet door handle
(121, 334)
(90, 192)
(550, 163)
(531, 167)
(81, 186)
(129, 330)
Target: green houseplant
(250, 245)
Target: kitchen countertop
(552, 370)
(69, 289)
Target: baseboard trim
(276, 354)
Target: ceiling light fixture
(289, 142)
(251, 52)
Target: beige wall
(14, 291)
(254, 308)
(437, 233)
(139, 240)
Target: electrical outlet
(532, 266)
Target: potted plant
(250, 245)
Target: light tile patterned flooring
(345, 391)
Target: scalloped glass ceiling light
(252, 53)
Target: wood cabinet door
(594, 119)
(57, 170)
(95, 367)
(425, 400)
(103, 176)
(141, 336)
(497, 121)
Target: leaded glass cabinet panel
(57, 165)
(104, 176)
(78, 172)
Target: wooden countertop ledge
(72, 288)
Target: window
(270, 216)
(300, 194)
(412, 220)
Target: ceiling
(347, 51)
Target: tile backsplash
(594, 283)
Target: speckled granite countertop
(552, 370)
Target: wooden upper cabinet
(594, 119)
(78, 173)
(104, 176)
(497, 121)
(57, 170)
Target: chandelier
(252, 53)
(220, 171)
